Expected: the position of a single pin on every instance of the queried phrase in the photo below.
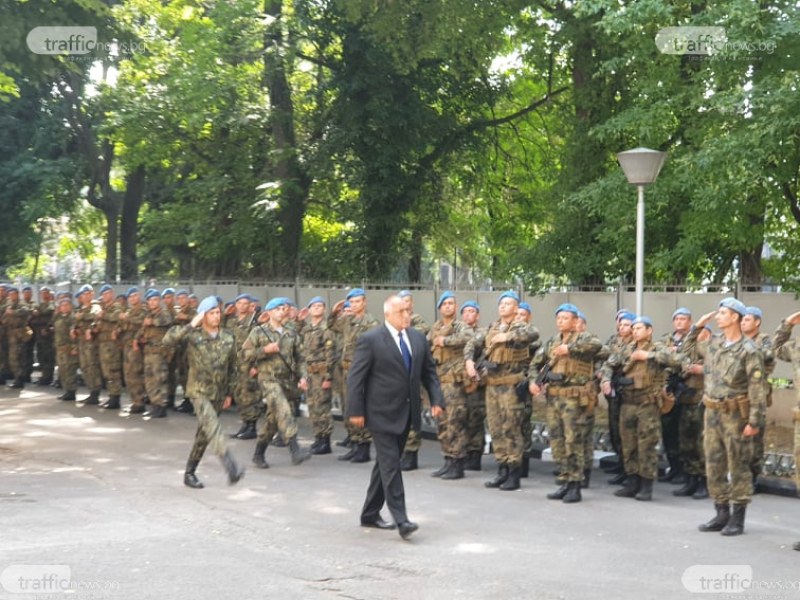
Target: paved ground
(102, 496)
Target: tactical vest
(569, 366)
(502, 354)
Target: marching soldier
(66, 347)
(15, 321)
(106, 332)
(641, 367)
(246, 392)
(318, 349)
(41, 321)
(275, 352)
(149, 341)
(168, 301)
(788, 350)
(132, 358)
(211, 353)
(564, 368)
(83, 332)
(734, 396)
(506, 347)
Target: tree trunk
(129, 226)
(111, 211)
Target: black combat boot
(444, 468)
(473, 462)
(560, 493)
(278, 441)
(185, 407)
(111, 403)
(92, 398)
(719, 521)
(170, 401)
(241, 430)
(689, 488)
(68, 396)
(573, 492)
(258, 455)
(645, 493)
(156, 412)
(796, 546)
(512, 481)
(525, 465)
(299, 455)
(735, 524)
(456, 470)
(702, 488)
(136, 409)
(235, 472)
(189, 478)
(500, 478)
(673, 471)
(614, 468)
(362, 453)
(247, 432)
(345, 443)
(587, 478)
(44, 380)
(618, 479)
(632, 485)
(17, 384)
(408, 462)
(350, 453)
(323, 447)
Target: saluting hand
(705, 319)
(196, 320)
(793, 319)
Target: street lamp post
(641, 167)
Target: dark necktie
(405, 352)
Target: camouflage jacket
(577, 368)
(240, 328)
(639, 377)
(131, 322)
(508, 357)
(212, 361)
(41, 319)
(449, 358)
(764, 343)
(85, 318)
(183, 314)
(286, 366)
(788, 350)
(152, 336)
(107, 324)
(318, 348)
(15, 319)
(731, 370)
(418, 323)
(350, 327)
(674, 343)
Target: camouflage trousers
(67, 359)
(133, 368)
(209, 430)
(319, 405)
(5, 367)
(640, 431)
(670, 434)
(797, 449)
(247, 393)
(360, 435)
(90, 364)
(111, 366)
(588, 440)
(453, 428)
(155, 375)
(476, 421)
(527, 423)
(16, 357)
(728, 452)
(279, 416)
(690, 439)
(46, 355)
(504, 417)
(555, 433)
(757, 460)
(568, 419)
(172, 372)
(614, 408)
(414, 439)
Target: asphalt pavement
(92, 505)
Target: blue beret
(582, 316)
(316, 300)
(132, 290)
(404, 293)
(276, 303)
(243, 297)
(63, 299)
(27, 288)
(85, 288)
(44, 288)
(623, 311)
(168, 292)
(105, 288)
(470, 304)
(151, 293)
(682, 311)
(509, 294)
(734, 305)
(181, 293)
(208, 303)
(526, 306)
(568, 307)
(643, 320)
(12, 288)
(446, 295)
(755, 311)
(192, 295)
(354, 293)
(626, 316)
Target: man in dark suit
(389, 365)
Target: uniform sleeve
(175, 335)
(781, 349)
(756, 390)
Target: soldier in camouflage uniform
(246, 391)
(751, 327)
(788, 350)
(4, 368)
(168, 301)
(184, 313)
(106, 332)
(318, 350)
(211, 353)
(615, 344)
(30, 345)
(589, 424)
(133, 359)
(641, 366)
(275, 352)
(41, 321)
(149, 341)
(448, 337)
(475, 390)
(570, 394)
(350, 326)
(734, 396)
(525, 315)
(15, 321)
(66, 347)
(85, 318)
(505, 346)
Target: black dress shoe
(406, 528)
(377, 523)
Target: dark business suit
(381, 389)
